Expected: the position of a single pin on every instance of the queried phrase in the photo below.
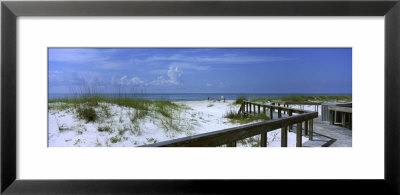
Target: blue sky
(201, 70)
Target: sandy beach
(66, 130)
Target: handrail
(231, 135)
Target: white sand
(66, 130)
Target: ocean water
(186, 96)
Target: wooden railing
(229, 137)
(345, 112)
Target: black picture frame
(11, 10)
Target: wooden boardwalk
(326, 135)
(307, 123)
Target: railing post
(343, 119)
(249, 107)
(259, 109)
(232, 144)
(298, 135)
(284, 111)
(241, 108)
(310, 137)
(271, 110)
(254, 106)
(284, 136)
(306, 127)
(350, 121)
(279, 113)
(263, 139)
(264, 109)
(331, 117)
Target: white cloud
(174, 74)
(134, 81)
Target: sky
(201, 70)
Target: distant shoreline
(179, 97)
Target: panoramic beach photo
(199, 97)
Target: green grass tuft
(105, 129)
(240, 99)
(86, 113)
(244, 118)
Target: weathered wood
(231, 144)
(254, 106)
(259, 109)
(250, 107)
(241, 109)
(264, 109)
(340, 109)
(343, 119)
(271, 113)
(279, 113)
(284, 136)
(263, 139)
(350, 121)
(217, 138)
(311, 121)
(297, 103)
(305, 127)
(298, 135)
(331, 117)
(276, 107)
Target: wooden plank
(331, 116)
(259, 109)
(279, 113)
(340, 109)
(343, 119)
(298, 135)
(284, 136)
(297, 103)
(231, 144)
(350, 121)
(250, 107)
(263, 139)
(305, 127)
(311, 121)
(221, 137)
(254, 106)
(271, 113)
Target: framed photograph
(88, 98)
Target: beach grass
(240, 99)
(96, 108)
(241, 118)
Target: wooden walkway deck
(326, 135)
(320, 133)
